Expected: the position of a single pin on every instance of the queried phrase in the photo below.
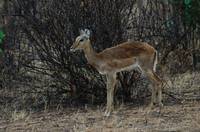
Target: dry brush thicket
(37, 69)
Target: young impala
(123, 57)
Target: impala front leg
(153, 97)
(111, 81)
(160, 96)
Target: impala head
(82, 41)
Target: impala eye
(81, 40)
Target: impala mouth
(72, 50)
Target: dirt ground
(176, 116)
(183, 117)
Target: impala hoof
(107, 113)
(161, 105)
(152, 105)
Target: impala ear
(82, 32)
(87, 32)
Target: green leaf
(2, 35)
(1, 51)
(187, 2)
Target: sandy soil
(172, 118)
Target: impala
(123, 57)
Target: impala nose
(71, 50)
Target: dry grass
(19, 115)
(178, 117)
(186, 86)
(174, 117)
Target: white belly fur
(131, 67)
(128, 68)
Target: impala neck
(90, 54)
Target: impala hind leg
(111, 81)
(153, 96)
(157, 89)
